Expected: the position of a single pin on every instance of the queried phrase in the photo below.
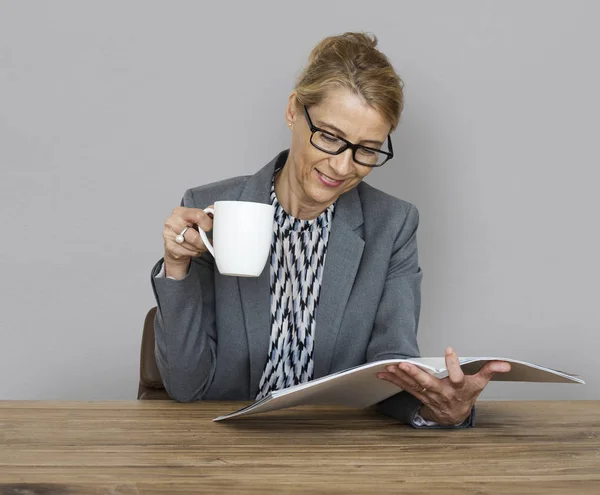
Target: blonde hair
(352, 61)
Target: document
(359, 386)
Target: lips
(328, 181)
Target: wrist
(176, 270)
(426, 413)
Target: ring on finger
(179, 238)
(417, 386)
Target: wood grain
(164, 447)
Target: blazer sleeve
(185, 328)
(395, 329)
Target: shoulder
(384, 211)
(207, 194)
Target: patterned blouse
(298, 252)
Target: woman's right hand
(178, 256)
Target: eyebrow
(343, 134)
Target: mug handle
(203, 235)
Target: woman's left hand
(447, 401)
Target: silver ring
(179, 238)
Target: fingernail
(449, 350)
(391, 368)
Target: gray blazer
(212, 331)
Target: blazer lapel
(255, 295)
(255, 291)
(344, 252)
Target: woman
(343, 284)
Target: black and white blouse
(298, 252)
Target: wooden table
(164, 447)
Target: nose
(343, 164)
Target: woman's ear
(291, 111)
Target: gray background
(110, 110)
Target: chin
(324, 197)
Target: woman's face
(317, 178)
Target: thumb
(197, 216)
(490, 368)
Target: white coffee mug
(241, 237)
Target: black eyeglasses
(334, 145)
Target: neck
(291, 197)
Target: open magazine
(359, 386)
